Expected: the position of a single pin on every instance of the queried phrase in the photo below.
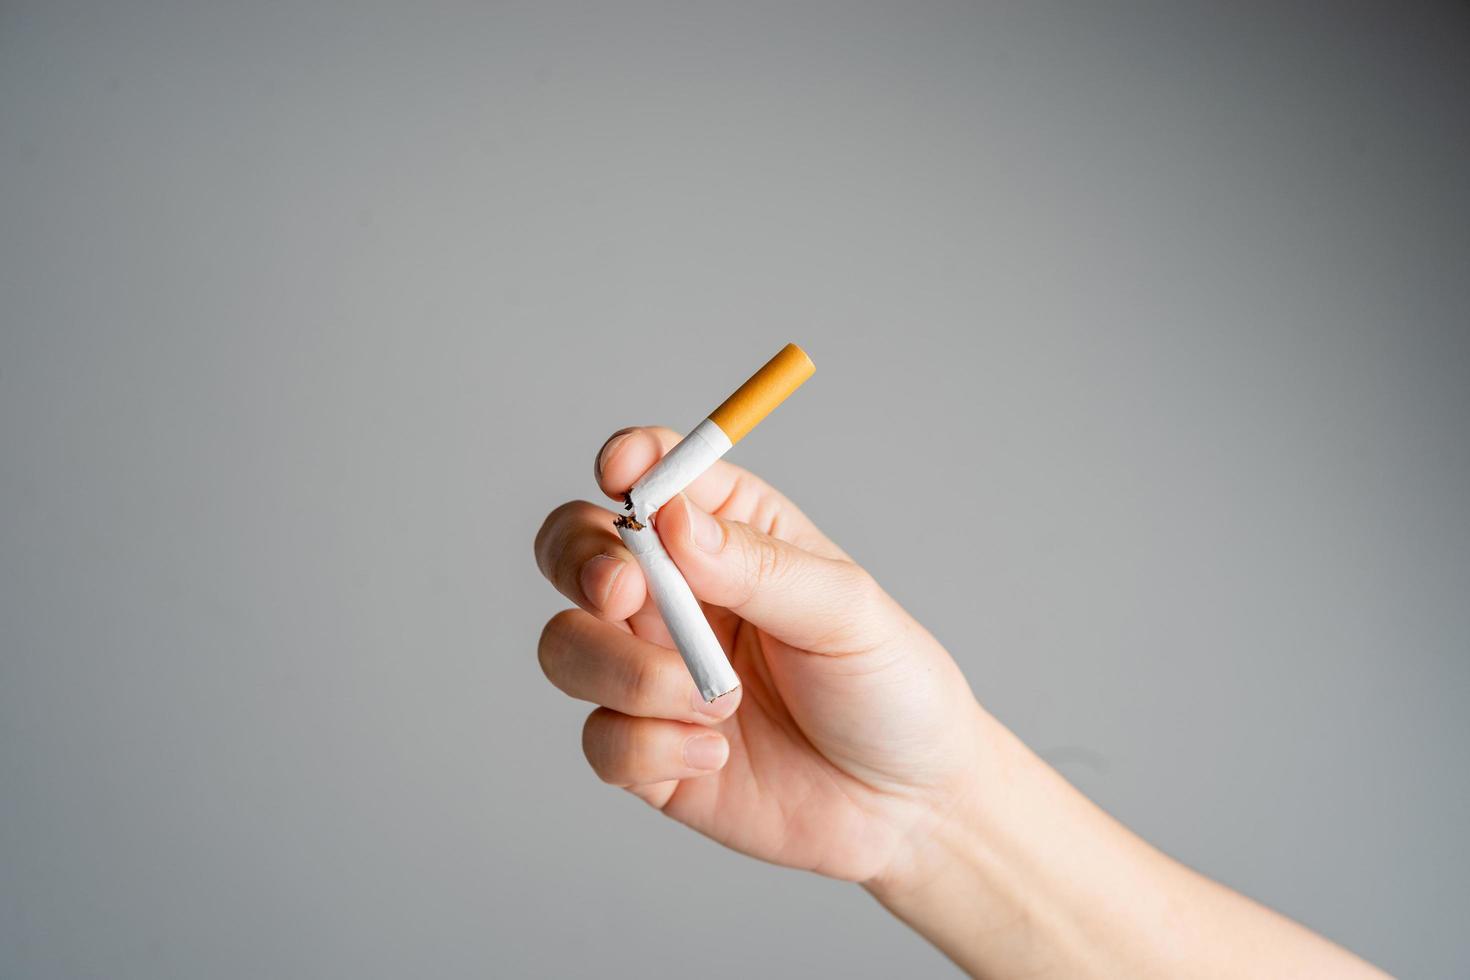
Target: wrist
(950, 829)
(1018, 873)
(956, 880)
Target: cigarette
(726, 425)
(681, 613)
(681, 466)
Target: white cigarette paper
(680, 467)
(681, 613)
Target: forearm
(1025, 876)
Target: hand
(854, 748)
(852, 729)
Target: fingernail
(718, 708)
(607, 450)
(706, 752)
(707, 533)
(598, 576)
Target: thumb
(823, 605)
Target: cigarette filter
(726, 425)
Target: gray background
(309, 312)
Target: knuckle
(596, 736)
(549, 536)
(859, 612)
(864, 587)
(771, 559)
(876, 625)
(555, 638)
(765, 561)
(769, 510)
(637, 753)
(649, 677)
(538, 543)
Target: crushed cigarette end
(628, 521)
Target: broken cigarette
(694, 454)
(681, 613)
(726, 425)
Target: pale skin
(854, 748)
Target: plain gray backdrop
(309, 312)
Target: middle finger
(597, 662)
(578, 551)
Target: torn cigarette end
(629, 521)
(759, 396)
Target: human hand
(854, 748)
(853, 731)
